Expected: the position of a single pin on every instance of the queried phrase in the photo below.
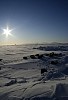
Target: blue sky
(34, 21)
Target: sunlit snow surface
(21, 79)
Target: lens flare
(7, 31)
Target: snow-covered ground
(21, 79)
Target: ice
(21, 79)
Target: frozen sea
(21, 79)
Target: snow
(22, 80)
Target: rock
(25, 58)
(1, 59)
(32, 57)
(43, 70)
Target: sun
(7, 31)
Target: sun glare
(7, 31)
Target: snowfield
(34, 72)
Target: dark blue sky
(34, 20)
